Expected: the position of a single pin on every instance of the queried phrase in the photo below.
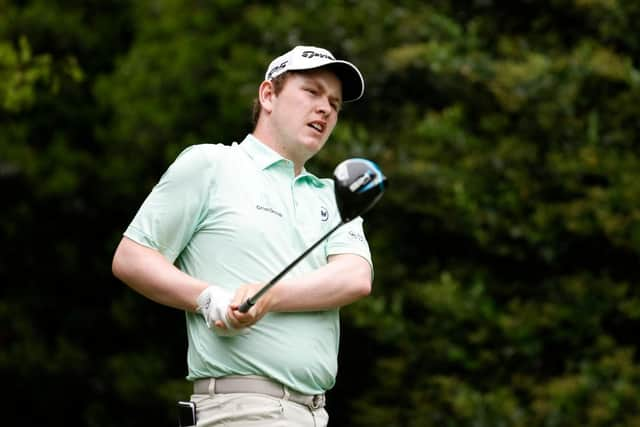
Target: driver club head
(359, 184)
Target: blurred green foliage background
(507, 248)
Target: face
(305, 112)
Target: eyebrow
(311, 80)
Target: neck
(268, 139)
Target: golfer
(224, 219)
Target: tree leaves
(505, 250)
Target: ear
(266, 95)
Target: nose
(324, 106)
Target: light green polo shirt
(236, 214)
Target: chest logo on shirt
(324, 214)
(270, 210)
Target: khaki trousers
(253, 410)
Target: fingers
(238, 319)
(233, 319)
(220, 325)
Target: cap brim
(350, 77)
(352, 81)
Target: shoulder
(200, 162)
(324, 192)
(207, 152)
(206, 156)
(327, 183)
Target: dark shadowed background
(506, 249)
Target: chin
(314, 143)
(313, 149)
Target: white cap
(310, 57)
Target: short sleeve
(177, 205)
(350, 238)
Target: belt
(256, 384)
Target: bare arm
(149, 273)
(345, 279)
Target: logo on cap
(276, 69)
(311, 54)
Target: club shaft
(252, 300)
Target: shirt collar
(264, 157)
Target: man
(225, 219)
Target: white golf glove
(213, 303)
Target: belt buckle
(317, 401)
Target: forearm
(149, 273)
(345, 279)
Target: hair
(278, 85)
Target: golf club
(358, 185)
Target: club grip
(245, 306)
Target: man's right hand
(236, 318)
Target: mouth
(318, 126)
